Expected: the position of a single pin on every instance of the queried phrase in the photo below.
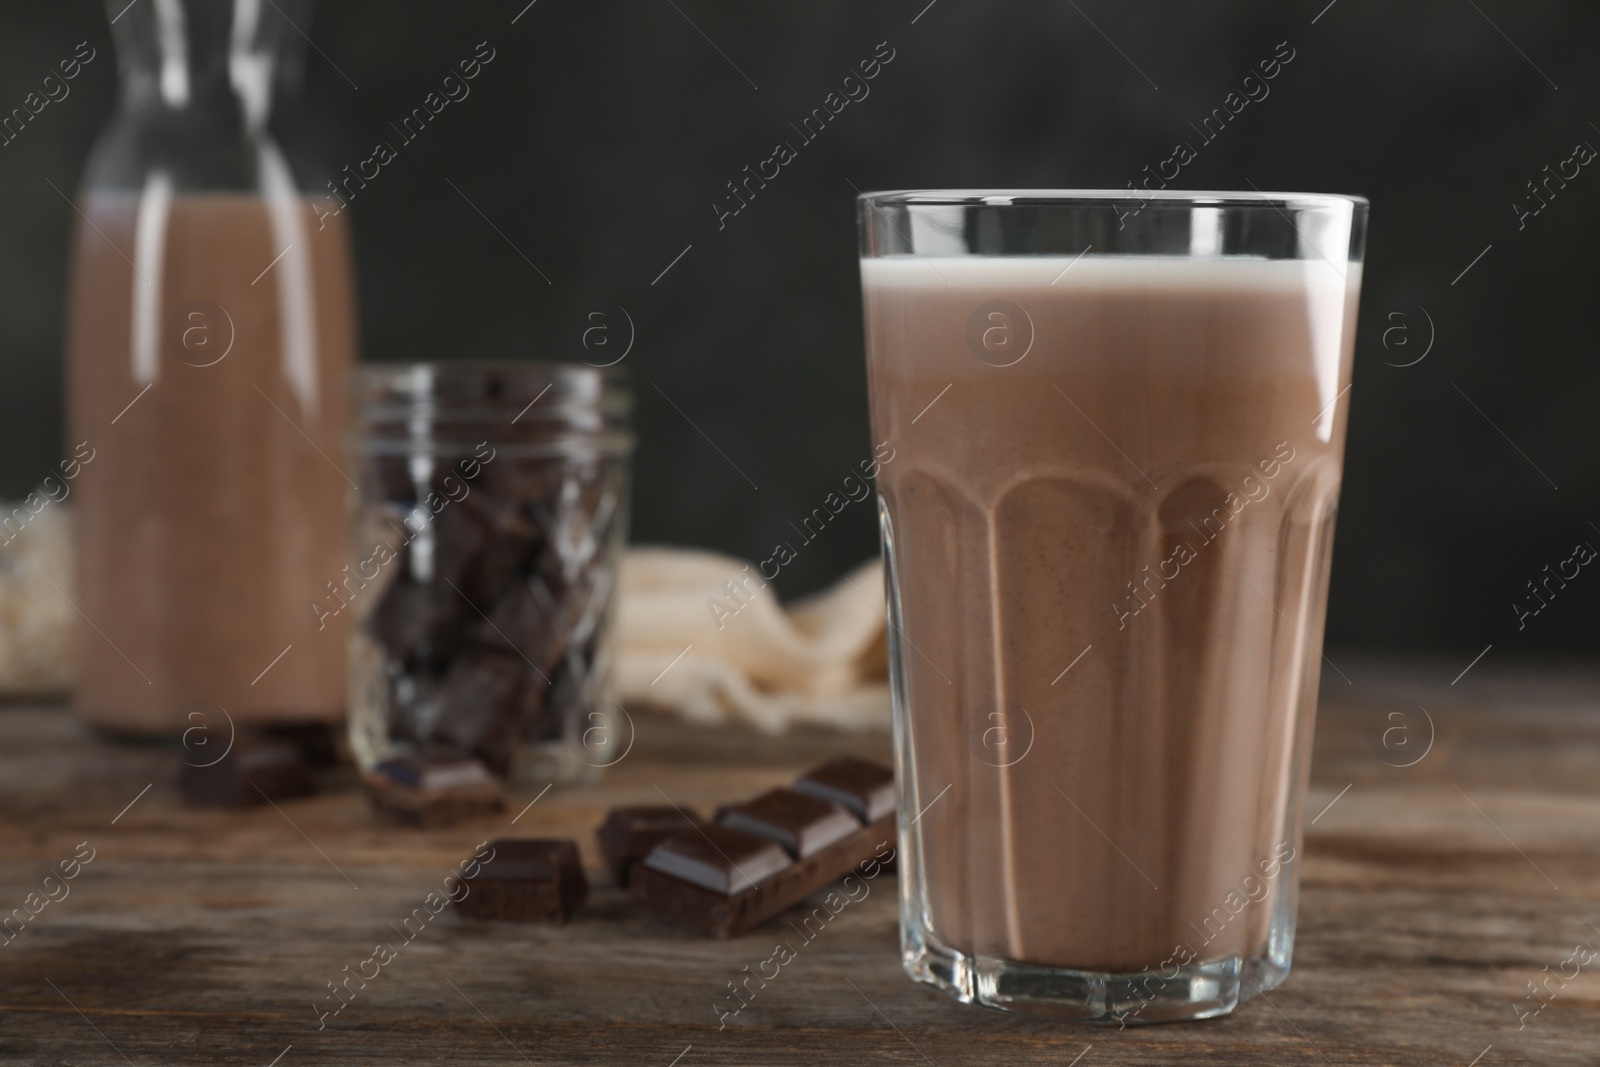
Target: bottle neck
(207, 63)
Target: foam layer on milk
(1070, 273)
(1328, 288)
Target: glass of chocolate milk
(1119, 426)
(210, 330)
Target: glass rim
(399, 371)
(580, 400)
(1096, 197)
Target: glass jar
(490, 521)
(211, 326)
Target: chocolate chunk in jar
(454, 539)
(524, 483)
(392, 475)
(532, 880)
(414, 624)
(510, 540)
(413, 703)
(534, 710)
(527, 620)
(480, 707)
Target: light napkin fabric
(744, 657)
(703, 636)
(37, 625)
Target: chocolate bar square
(254, 770)
(867, 789)
(628, 835)
(803, 825)
(528, 880)
(718, 858)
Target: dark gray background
(602, 133)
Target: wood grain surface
(1433, 895)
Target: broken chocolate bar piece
(719, 858)
(628, 835)
(803, 825)
(722, 881)
(433, 793)
(715, 912)
(867, 789)
(526, 881)
(255, 769)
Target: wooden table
(1433, 894)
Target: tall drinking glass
(1119, 426)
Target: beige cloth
(697, 634)
(37, 623)
(701, 635)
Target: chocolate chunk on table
(628, 835)
(433, 793)
(255, 769)
(722, 881)
(803, 825)
(867, 789)
(318, 742)
(527, 880)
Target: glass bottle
(211, 326)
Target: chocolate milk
(210, 386)
(1111, 559)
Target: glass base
(1197, 991)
